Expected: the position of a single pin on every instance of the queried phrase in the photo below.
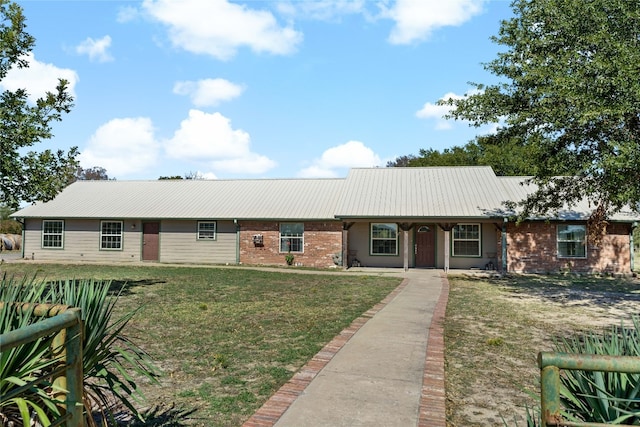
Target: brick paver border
(433, 398)
(277, 404)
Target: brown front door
(426, 246)
(150, 241)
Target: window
(206, 230)
(291, 237)
(572, 242)
(52, 233)
(466, 240)
(111, 235)
(384, 239)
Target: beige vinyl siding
(489, 242)
(179, 243)
(359, 241)
(81, 242)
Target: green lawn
(225, 338)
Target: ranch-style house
(440, 217)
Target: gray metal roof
(194, 199)
(516, 188)
(432, 192)
(413, 193)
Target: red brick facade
(322, 240)
(532, 248)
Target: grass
(226, 339)
(495, 328)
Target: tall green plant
(110, 360)
(22, 365)
(605, 397)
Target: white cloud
(127, 14)
(210, 139)
(219, 28)
(352, 154)
(437, 112)
(122, 146)
(208, 92)
(323, 10)
(39, 78)
(97, 50)
(416, 19)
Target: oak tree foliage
(25, 175)
(568, 94)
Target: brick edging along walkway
(277, 404)
(433, 398)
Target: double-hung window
(466, 240)
(384, 239)
(52, 234)
(206, 230)
(292, 237)
(572, 241)
(111, 235)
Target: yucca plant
(22, 365)
(110, 360)
(604, 397)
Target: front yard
(225, 339)
(495, 328)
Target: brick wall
(321, 241)
(532, 248)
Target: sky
(256, 89)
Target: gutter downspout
(235, 221)
(631, 246)
(504, 244)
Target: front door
(426, 246)
(150, 241)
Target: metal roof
(431, 192)
(472, 192)
(193, 199)
(517, 188)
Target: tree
(30, 176)
(509, 158)
(569, 94)
(95, 173)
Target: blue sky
(257, 89)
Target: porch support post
(504, 245)
(446, 250)
(447, 240)
(405, 235)
(345, 243)
(631, 246)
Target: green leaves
(569, 95)
(32, 176)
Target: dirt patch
(496, 327)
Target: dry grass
(495, 328)
(225, 339)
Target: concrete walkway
(377, 372)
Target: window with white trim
(206, 230)
(384, 239)
(466, 240)
(572, 241)
(111, 235)
(52, 233)
(292, 237)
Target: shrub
(109, 358)
(604, 397)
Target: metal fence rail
(67, 325)
(550, 365)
